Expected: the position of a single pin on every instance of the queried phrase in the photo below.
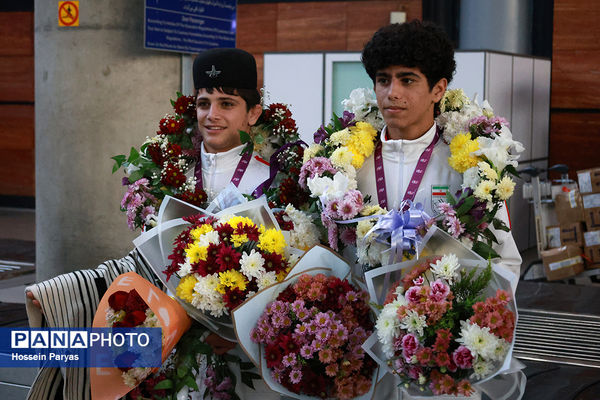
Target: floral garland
(329, 173)
(159, 167)
(483, 150)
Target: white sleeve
(506, 247)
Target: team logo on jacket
(438, 194)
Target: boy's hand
(33, 299)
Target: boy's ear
(439, 89)
(254, 114)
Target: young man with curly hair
(411, 65)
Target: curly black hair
(414, 44)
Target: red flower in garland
(135, 302)
(172, 175)
(184, 105)
(170, 125)
(197, 197)
(173, 150)
(283, 220)
(225, 231)
(155, 153)
(250, 231)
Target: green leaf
(512, 170)
(182, 371)
(136, 175)
(133, 155)
(485, 250)
(466, 206)
(450, 199)
(191, 382)
(164, 384)
(119, 160)
(245, 137)
(500, 225)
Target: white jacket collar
(226, 158)
(412, 149)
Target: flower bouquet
(130, 302)
(307, 341)
(329, 173)
(445, 324)
(483, 150)
(216, 261)
(160, 166)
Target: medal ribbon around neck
(240, 169)
(415, 180)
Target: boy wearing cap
(411, 65)
(227, 102)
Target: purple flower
(320, 135)
(348, 236)
(455, 227)
(332, 236)
(347, 119)
(125, 181)
(306, 351)
(322, 335)
(295, 376)
(446, 208)
(289, 360)
(224, 385)
(322, 319)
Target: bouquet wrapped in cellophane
(446, 325)
(305, 334)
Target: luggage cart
(541, 194)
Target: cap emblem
(213, 73)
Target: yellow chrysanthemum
(233, 279)
(453, 100)
(272, 241)
(194, 252)
(363, 227)
(239, 240)
(484, 190)
(282, 274)
(488, 171)
(340, 137)
(505, 188)
(362, 139)
(199, 231)
(374, 209)
(236, 220)
(185, 289)
(312, 151)
(341, 157)
(461, 148)
(357, 158)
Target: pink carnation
(462, 357)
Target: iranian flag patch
(438, 194)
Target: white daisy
(413, 322)
(446, 268)
(251, 264)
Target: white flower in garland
(305, 234)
